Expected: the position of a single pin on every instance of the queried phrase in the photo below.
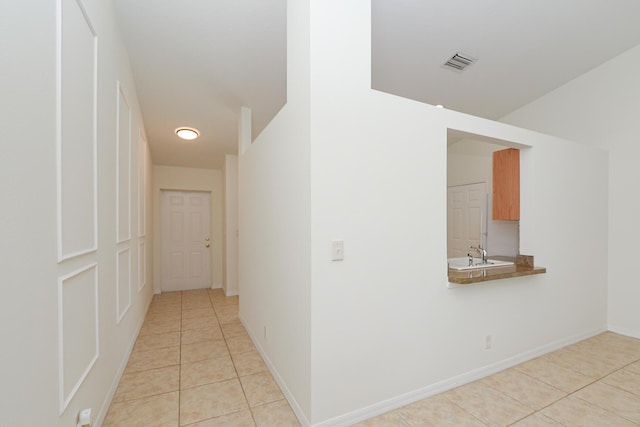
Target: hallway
(194, 364)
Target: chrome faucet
(481, 251)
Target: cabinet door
(506, 184)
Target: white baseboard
(624, 331)
(276, 376)
(450, 383)
(421, 393)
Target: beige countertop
(494, 273)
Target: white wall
(601, 108)
(470, 162)
(42, 292)
(274, 223)
(380, 329)
(27, 167)
(230, 231)
(189, 179)
(385, 327)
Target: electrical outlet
(487, 342)
(84, 418)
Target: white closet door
(465, 213)
(185, 240)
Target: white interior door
(466, 209)
(185, 240)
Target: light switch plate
(337, 250)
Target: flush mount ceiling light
(187, 133)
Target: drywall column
(244, 130)
(230, 212)
(230, 282)
(274, 267)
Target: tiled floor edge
(383, 407)
(396, 402)
(104, 408)
(297, 410)
(525, 356)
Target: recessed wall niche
(469, 197)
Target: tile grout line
(244, 393)
(180, 365)
(464, 410)
(181, 302)
(600, 379)
(569, 394)
(235, 370)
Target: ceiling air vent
(459, 62)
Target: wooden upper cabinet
(506, 184)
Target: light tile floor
(595, 382)
(195, 365)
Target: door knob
(207, 239)
(207, 245)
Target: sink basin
(462, 263)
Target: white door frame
(186, 260)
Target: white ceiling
(525, 48)
(197, 62)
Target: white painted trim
(120, 315)
(414, 396)
(102, 413)
(163, 193)
(450, 383)
(127, 237)
(61, 255)
(244, 130)
(624, 331)
(276, 375)
(65, 400)
(142, 265)
(59, 129)
(142, 184)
